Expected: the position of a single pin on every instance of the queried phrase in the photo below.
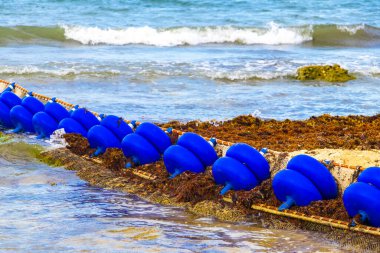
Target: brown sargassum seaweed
(198, 192)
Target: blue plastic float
(101, 138)
(139, 149)
(146, 144)
(108, 134)
(243, 168)
(80, 121)
(304, 180)
(46, 122)
(21, 115)
(233, 174)
(7, 101)
(155, 135)
(192, 153)
(117, 126)
(363, 197)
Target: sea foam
(273, 35)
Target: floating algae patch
(327, 73)
(12, 150)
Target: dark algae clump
(114, 159)
(332, 208)
(327, 73)
(77, 143)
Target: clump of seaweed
(77, 143)
(332, 208)
(327, 73)
(114, 159)
(261, 194)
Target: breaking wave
(318, 35)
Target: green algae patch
(49, 160)
(4, 137)
(326, 73)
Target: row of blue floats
(303, 181)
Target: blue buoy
(371, 176)
(155, 135)
(141, 151)
(10, 99)
(317, 173)
(178, 159)
(32, 104)
(44, 124)
(251, 158)
(21, 115)
(5, 118)
(101, 138)
(233, 174)
(364, 199)
(85, 118)
(292, 188)
(117, 126)
(199, 147)
(302, 176)
(57, 111)
(21, 119)
(72, 126)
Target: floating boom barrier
(303, 180)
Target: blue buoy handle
(135, 161)
(363, 218)
(41, 136)
(287, 204)
(169, 130)
(212, 141)
(17, 129)
(10, 87)
(176, 173)
(52, 100)
(132, 124)
(263, 151)
(226, 188)
(99, 150)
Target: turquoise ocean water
(163, 60)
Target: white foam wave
(351, 29)
(273, 35)
(62, 72)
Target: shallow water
(45, 209)
(160, 60)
